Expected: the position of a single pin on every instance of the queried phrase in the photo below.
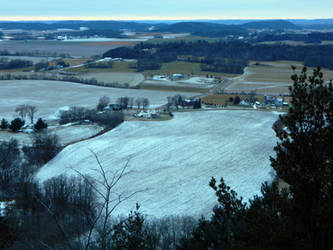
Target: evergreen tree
(4, 124)
(40, 124)
(16, 124)
(304, 159)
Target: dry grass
(117, 67)
(222, 99)
(172, 88)
(185, 38)
(296, 43)
(115, 43)
(76, 61)
(186, 68)
(269, 77)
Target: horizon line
(80, 18)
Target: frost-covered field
(193, 82)
(173, 161)
(49, 96)
(66, 134)
(132, 79)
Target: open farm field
(296, 43)
(75, 49)
(186, 68)
(222, 99)
(161, 87)
(185, 38)
(49, 96)
(111, 43)
(190, 83)
(34, 59)
(116, 67)
(269, 77)
(172, 162)
(66, 134)
(130, 79)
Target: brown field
(221, 100)
(76, 61)
(115, 43)
(269, 77)
(172, 88)
(297, 43)
(117, 67)
(75, 49)
(129, 79)
(186, 68)
(186, 39)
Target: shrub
(43, 149)
(79, 114)
(237, 100)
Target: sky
(164, 9)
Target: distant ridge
(96, 25)
(204, 29)
(270, 24)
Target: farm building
(278, 101)
(194, 103)
(147, 114)
(177, 76)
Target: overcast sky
(165, 9)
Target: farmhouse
(194, 103)
(147, 114)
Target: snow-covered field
(49, 96)
(172, 162)
(193, 82)
(66, 134)
(34, 59)
(132, 79)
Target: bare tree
(109, 202)
(102, 103)
(31, 110)
(170, 102)
(130, 102)
(123, 102)
(145, 103)
(22, 110)
(139, 102)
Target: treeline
(315, 37)
(88, 33)
(205, 29)
(81, 114)
(166, 52)
(6, 63)
(234, 66)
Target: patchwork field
(76, 49)
(172, 162)
(268, 77)
(186, 68)
(66, 134)
(49, 96)
(34, 59)
(130, 79)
